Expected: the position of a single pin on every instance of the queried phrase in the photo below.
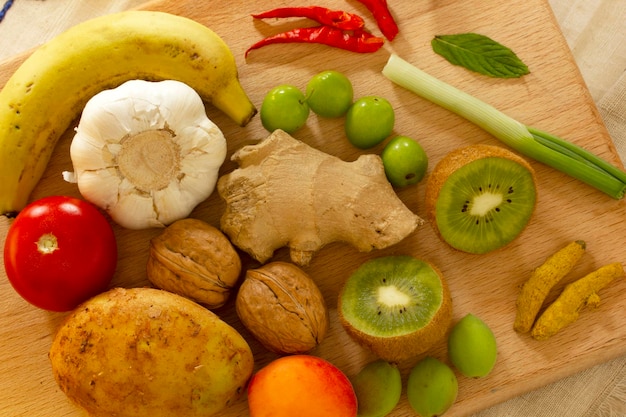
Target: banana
(48, 91)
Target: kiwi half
(480, 198)
(397, 306)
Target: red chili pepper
(335, 18)
(384, 19)
(357, 41)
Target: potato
(148, 352)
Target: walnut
(196, 260)
(283, 308)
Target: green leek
(533, 143)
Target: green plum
(284, 107)
(378, 387)
(472, 347)
(432, 387)
(369, 121)
(405, 161)
(329, 94)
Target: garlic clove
(107, 119)
(147, 153)
(143, 214)
(98, 185)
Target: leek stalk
(533, 143)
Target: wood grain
(553, 97)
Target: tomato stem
(47, 243)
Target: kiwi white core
(484, 203)
(391, 296)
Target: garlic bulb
(146, 152)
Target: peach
(303, 386)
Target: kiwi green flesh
(485, 204)
(391, 296)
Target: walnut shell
(283, 308)
(196, 260)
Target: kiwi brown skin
(400, 348)
(455, 160)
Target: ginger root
(286, 193)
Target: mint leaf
(480, 54)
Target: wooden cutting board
(553, 97)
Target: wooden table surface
(553, 97)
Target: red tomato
(59, 252)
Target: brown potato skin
(148, 352)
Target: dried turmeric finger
(536, 289)
(566, 308)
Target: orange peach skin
(302, 386)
